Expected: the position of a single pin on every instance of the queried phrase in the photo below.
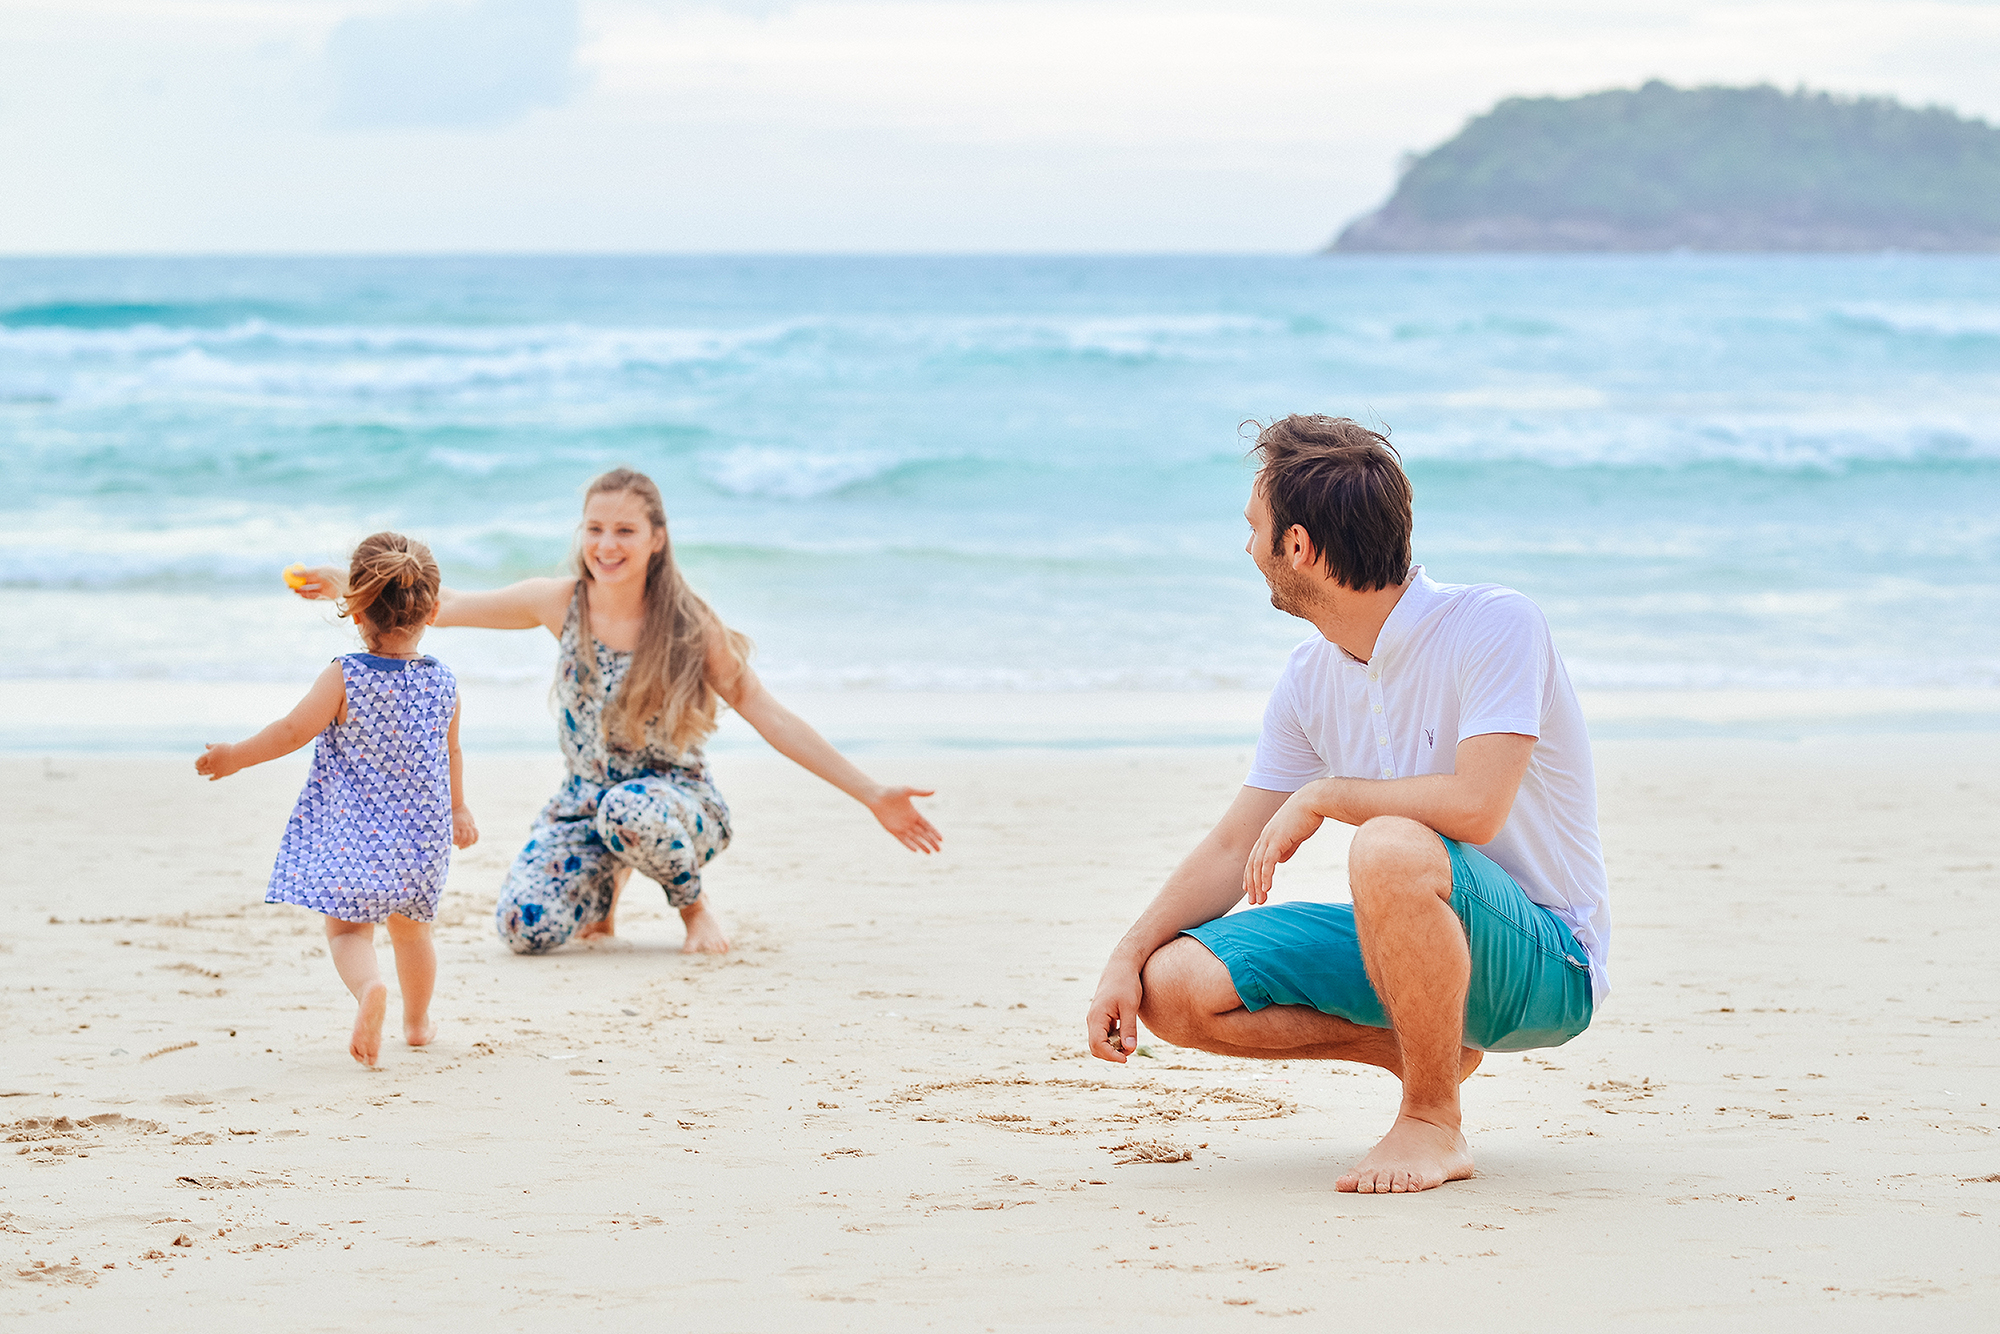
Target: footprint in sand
(48, 1138)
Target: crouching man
(1438, 720)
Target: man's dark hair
(1344, 484)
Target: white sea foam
(1527, 398)
(1928, 319)
(259, 358)
(790, 474)
(1819, 436)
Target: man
(1438, 719)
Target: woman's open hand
(1295, 822)
(323, 582)
(891, 806)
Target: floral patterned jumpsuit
(652, 809)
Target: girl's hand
(1295, 822)
(216, 761)
(891, 807)
(464, 833)
(323, 583)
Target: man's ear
(1299, 548)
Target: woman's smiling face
(618, 538)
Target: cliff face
(1663, 168)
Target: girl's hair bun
(392, 584)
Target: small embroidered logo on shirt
(1431, 737)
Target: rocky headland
(1665, 168)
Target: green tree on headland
(1703, 168)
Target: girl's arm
(464, 833)
(794, 738)
(521, 606)
(320, 707)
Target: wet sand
(875, 1113)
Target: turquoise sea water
(999, 473)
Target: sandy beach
(876, 1114)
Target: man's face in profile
(1291, 590)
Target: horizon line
(1327, 253)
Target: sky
(904, 126)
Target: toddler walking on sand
(371, 837)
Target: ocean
(1011, 474)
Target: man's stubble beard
(1288, 590)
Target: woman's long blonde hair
(665, 691)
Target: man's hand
(217, 760)
(1113, 1026)
(1295, 822)
(464, 833)
(1206, 884)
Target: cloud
(463, 65)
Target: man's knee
(1392, 855)
(1185, 986)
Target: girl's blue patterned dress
(371, 834)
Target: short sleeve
(1503, 666)
(1285, 760)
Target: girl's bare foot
(366, 1044)
(704, 933)
(420, 1033)
(602, 927)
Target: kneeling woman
(644, 663)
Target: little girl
(371, 837)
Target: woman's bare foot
(420, 1032)
(704, 933)
(366, 1044)
(607, 925)
(1415, 1155)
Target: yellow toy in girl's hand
(296, 576)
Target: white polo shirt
(1456, 661)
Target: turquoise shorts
(1530, 983)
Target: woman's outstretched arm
(521, 606)
(794, 738)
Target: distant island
(1665, 168)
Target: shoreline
(173, 717)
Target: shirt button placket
(1381, 723)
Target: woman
(644, 664)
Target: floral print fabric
(371, 833)
(653, 810)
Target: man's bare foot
(366, 1044)
(704, 933)
(1415, 1155)
(420, 1033)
